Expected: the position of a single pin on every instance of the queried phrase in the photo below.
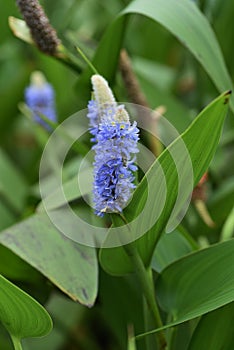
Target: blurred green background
(169, 76)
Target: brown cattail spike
(130, 80)
(42, 33)
(199, 197)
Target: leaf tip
(227, 96)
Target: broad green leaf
(184, 20)
(201, 140)
(215, 330)
(197, 284)
(70, 266)
(22, 315)
(171, 247)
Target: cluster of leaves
(179, 63)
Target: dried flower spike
(115, 145)
(42, 32)
(39, 97)
(199, 197)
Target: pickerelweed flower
(39, 97)
(115, 146)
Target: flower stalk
(147, 285)
(16, 342)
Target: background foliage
(183, 59)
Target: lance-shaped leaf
(215, 330)
(184, 20)
(200, 140)
(197, 284)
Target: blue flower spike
(115, 147)
(39, 97)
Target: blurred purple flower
(39, 97)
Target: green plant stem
(63, 55)
(85, 58)
(146, 281)
(16, 342)
(151, 341)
